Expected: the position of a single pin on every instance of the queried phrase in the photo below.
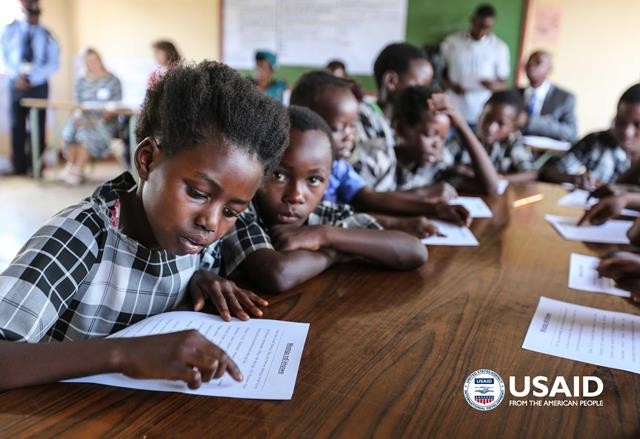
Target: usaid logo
(484, 389)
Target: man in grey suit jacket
(551, 109)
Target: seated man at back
(551, 109)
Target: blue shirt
(344, 183)
(46, 52)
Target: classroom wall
(595, 49)
(126, 28)
(122, 31)
(429, 21)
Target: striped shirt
(374, 157)
(79, 277)
(598, 153)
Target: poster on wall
(546, 29)
(311, 32)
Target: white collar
(487, 37)
(541, 90)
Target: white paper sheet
(583, 276)
(581, 333)
(547, 143)
(475, 205)
(502, 186)
(454, 235)
(578, 199)
(611, 232)
(267, 352)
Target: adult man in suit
(551, 109)
(31, 57)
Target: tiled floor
(25, 204)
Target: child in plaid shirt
(604, 156)
(499, 131)
(133, 250)
(291, 235)
(422, 120)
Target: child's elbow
(491, 186)
(412, 256)
(276, 278)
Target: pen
(528, 200)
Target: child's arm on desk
(274, 271)
(389, 248)
(186, 356)
(521, 176)
(393, 203)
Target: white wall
(596, 52)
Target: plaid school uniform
(374, 157)
(511, 155)
(79, 277)
(599, 153)
(250, 233)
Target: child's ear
(146, 153)
(390, 80)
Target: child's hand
(620, 265)
(442, 191)
(185, 356)
(634, 233)
(442, 103)
(225, 295)
(603, 191)
(288, 238)
(631, 284)
(606, 209)
(418, 226)
(586, 181)
(455, 214)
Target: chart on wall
(311, 32)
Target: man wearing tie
(551, 109)
(30, 55)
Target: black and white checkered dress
(78, 277)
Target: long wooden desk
(35, 105)
(387, 353)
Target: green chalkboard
(429, 21)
